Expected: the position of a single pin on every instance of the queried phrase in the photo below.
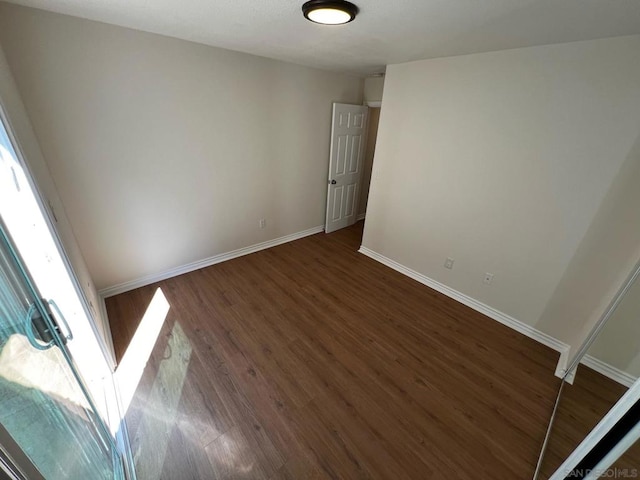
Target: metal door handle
(31, 336)
(332, 182)
(69, 334)
(42, 338)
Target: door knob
(332, 182)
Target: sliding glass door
(44, 406)
(58, 403)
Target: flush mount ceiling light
(329, 12)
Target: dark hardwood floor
(312, 361)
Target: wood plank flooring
(312, 361)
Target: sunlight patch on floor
(151, 440)
(135, 359)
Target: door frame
(13, 461)
(372, 105)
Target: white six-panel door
(348, 136)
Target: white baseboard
(360, 217)
(190, 267)
(531, 332)
(490, 312)
(608, 371)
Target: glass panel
(610, 366)
(42, 405)
(30, 232)
(24, 217)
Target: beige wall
(618, 344)
(501, 161)
(373, 87)
(606, 256)
(28, 143)
(372, 134)
(166, 152)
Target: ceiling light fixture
(329, 12)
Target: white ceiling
(385, 31)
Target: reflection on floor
(158, 420)
(309, 360)
(581, 407)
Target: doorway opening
(354, 132)
(353, 138)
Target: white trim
(360, 217)
(373, 103)
(478, 306)
(111, 357)
(122, 436)
(206, 262)
(608, 421)
(607, 370)
(561, 368)
(614, 454)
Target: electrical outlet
(488, 278)
(448, 263)
(262, 223)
